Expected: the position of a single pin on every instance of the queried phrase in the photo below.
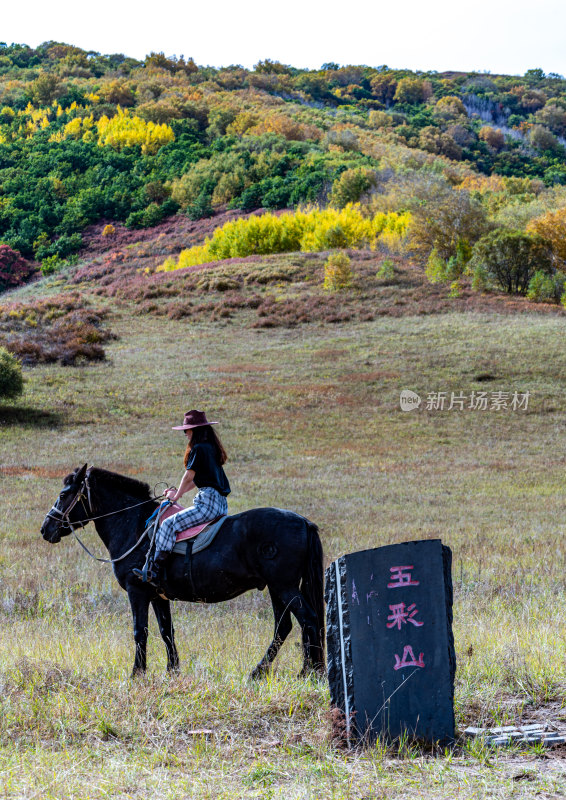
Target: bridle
(65, 521)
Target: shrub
(436, 268)
(51, 264)
(311, 230)
(511, 258)
(386, 269)
(11, 381)
(108, 230)
(545, 288)
(352, 185)
(337, 272)
(14, 269)
(201, 208)
(480, 279)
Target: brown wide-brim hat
(193, 419)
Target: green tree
(511, 258)
(352, 185)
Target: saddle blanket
(202, 539)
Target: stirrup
(146, 575)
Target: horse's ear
(81, 473)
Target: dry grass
(311, 420)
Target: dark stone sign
(391, 659)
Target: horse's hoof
(138, 672)
(312, 671)
(258, 673)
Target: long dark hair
(206, 433)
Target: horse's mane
(123, 483)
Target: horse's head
(68, 508)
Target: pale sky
(498, 36)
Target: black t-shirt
(208, 470)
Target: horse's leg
(162, 609)
(283, 625)
(140, 612)
(306, 618)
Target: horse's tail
(312, 587)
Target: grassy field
(311, 420)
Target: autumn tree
(433, 140)
(553, 117)
(543, 139)
(45, 88)
(494, 137)
(14, 269)
(533, 99)
(443, 219)
(552, 227)
(117, 92)
(383, 88)
(412, 91)
(450, 106)
(379, 119)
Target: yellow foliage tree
(552, 227)
(124, 130)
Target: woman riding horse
(204, 458)
(257, 548)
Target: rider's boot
(155, 570)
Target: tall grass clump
(308, 230)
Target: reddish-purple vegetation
(57, 329)
(146, 249)
(270, 291)
(14, 268)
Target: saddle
(190, 541)
(201, 536)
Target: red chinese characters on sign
(400, 577)
(401, 614)
(408, 659)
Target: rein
(80, 497)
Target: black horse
(257, 548)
